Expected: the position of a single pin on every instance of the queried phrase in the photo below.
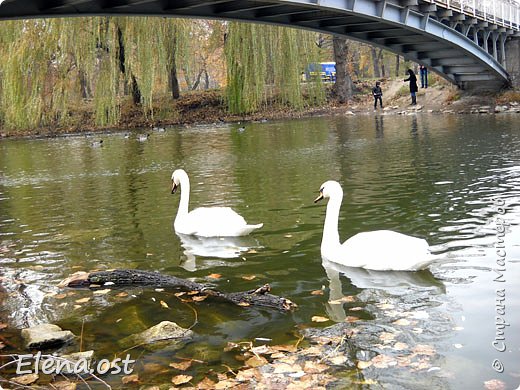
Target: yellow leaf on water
(180, 294)
(363, 364)
(244, 304)
(122, 294)
(181, 366)
(314, 367)
(83, 300)
(351, 319)
(181, 379)
(319, 319)
(402, 322)
(256, 361)
(130, 379)
(199, 298)
(494, 384)
(214, 276)
(164, 304)
(317, 292)
(249, 277)
(102, 292)
(206, 384)
(60, 296)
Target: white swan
(206, 221)
(382, 250)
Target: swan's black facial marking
(174, 187)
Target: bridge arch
(462, 43)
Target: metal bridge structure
(464, 41)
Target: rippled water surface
(67, 206)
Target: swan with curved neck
(382, 250)
(206, 221)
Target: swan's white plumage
(206, 221)
(382, 250)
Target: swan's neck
(330, 229)
(185, 198)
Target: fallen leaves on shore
(319, 319)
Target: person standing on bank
(413, 86)
(424, 76)
(377, 92)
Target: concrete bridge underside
(465, 51)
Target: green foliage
(265, 55)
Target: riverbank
(207, 107)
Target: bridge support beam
(512, 47)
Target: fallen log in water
(259, 297)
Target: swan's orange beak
(174, 187)
(320, 197)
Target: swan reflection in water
(393, 282)
(213, 247)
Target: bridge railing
(499, 12)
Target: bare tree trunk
(136, 92)
(343, 86)
(375, 63)
(397, 64)
(206, 79)
(173, 80)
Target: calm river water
(454, 180)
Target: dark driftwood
(259, 297)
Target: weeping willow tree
(257, 56)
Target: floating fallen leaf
(314, 367)
(339, 359)
(122, 294)
(26, 379)
(181, 379)
(317, 292)
(102, 292)
(164, 304)
(357, 308)
(206, 384)
(199, 298)
(288, 236)
(319, 319)
(214, 276)
(249, 277)
(180, 294)
(387, 337)
(284, 348)
(248, 375)
(64, 385)
(83, 300)
(363, 364)
(494, 384)
(351, 319)
(225, 384)
(252, 251)
(76, 307)
(423, 349)
(261, 350)
(194, 292)
(256, 361)
(134, 378)
(283, 368)
(402, 322)
(383, 361)
(181, 366)
(149, 254)
(400, 346)
(60, 296)
(244, 304)
(157, 289)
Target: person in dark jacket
(413, 86)
(377, 92)
(424, 76)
